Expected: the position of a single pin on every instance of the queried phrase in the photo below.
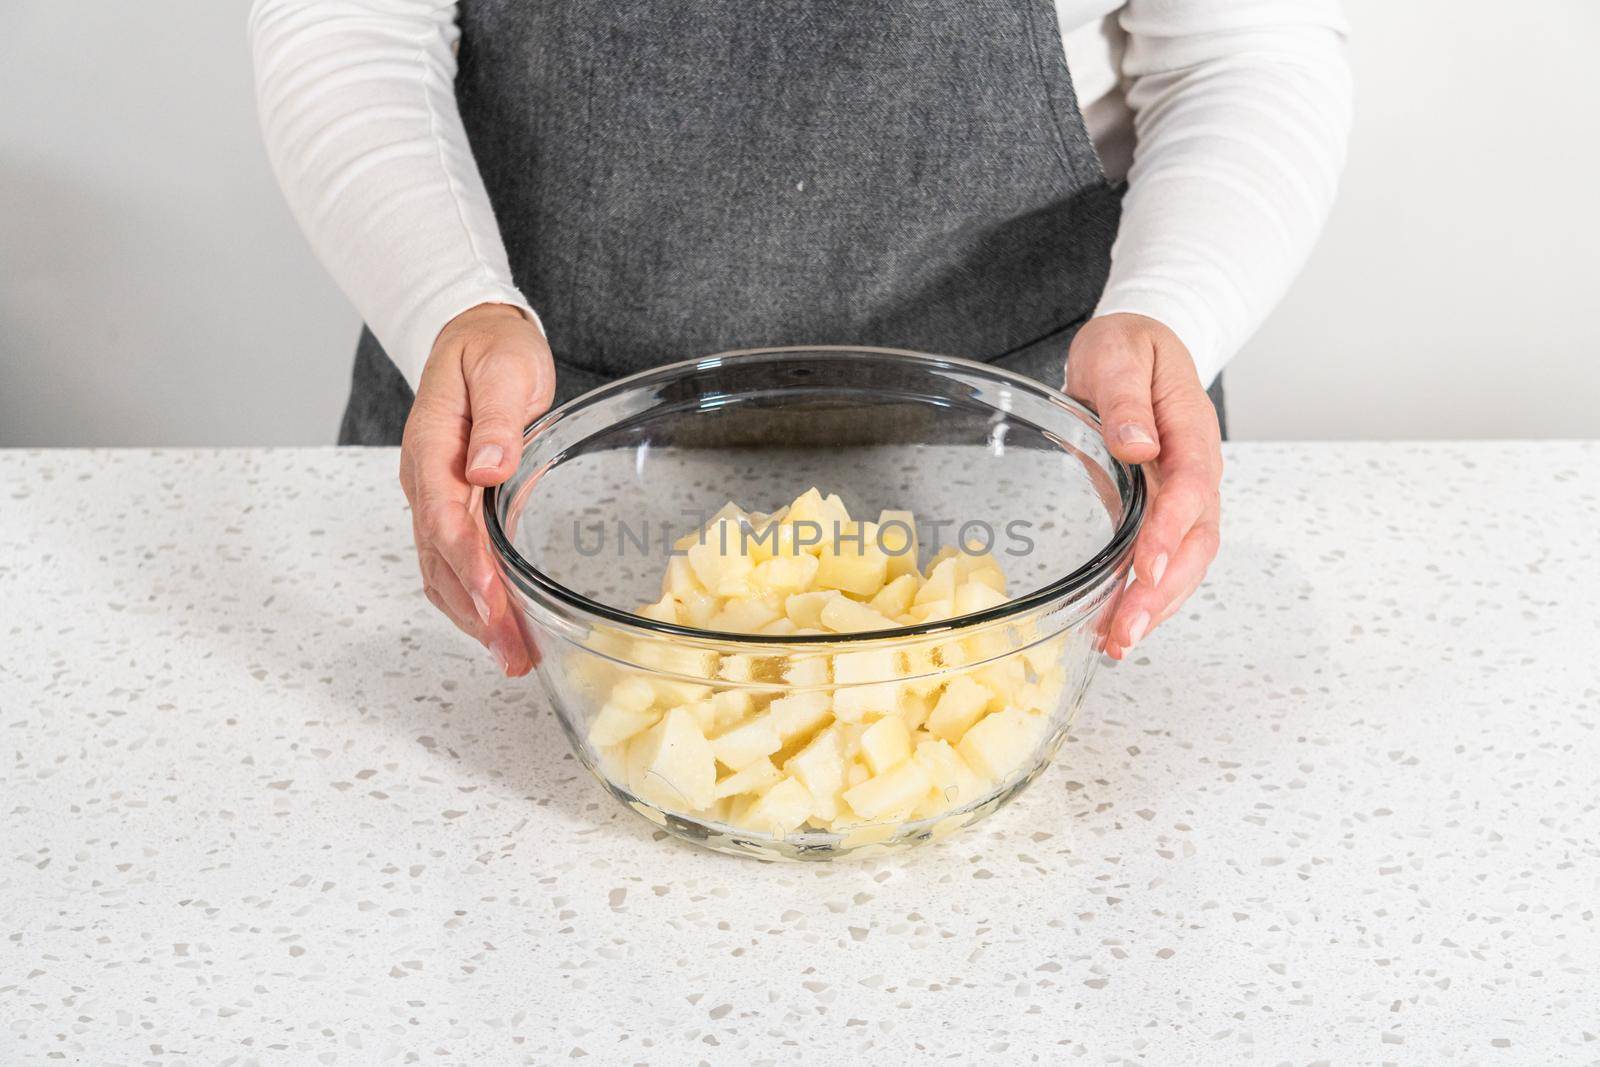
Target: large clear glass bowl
(607, 483)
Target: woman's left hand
(1154, 410)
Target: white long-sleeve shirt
(1228, 118)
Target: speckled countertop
(261, 807)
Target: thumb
(1118, 366)
(506, 388)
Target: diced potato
(1052, 683)
(779, 628)
(920, 661)
(1042, 695)
(671, 764)
(614, 724)
(731, 705)
(1046, 656)
(899, 543)
(680, 580)
(864, 686)
(745, 615)
(951, 654)
(705, 716)
(1004, 679)
(941, 583)
(855, 773)
(885, 743)
(663, 610)
(697, 608)
(800, 713)
(972, 597)
(915, 706)
(954, 783)
(808, 670)
(932, 611)
(894, 599)
(852, 562)
(992, 577)
(737, 667)
(780, 809)
(999, 745)
(719, 562)
(633, 693)
(897, 790)
(821, 766)
(860, 703)
(785, 575)
(613, 760)
(963, 703)
(675, 660)
(670, 693)
(846, 616)
(730, 513)
(810, 523)
(812, 506)
(747, 742)
(987, 643)
(867, 665)
(805, 609)
(970, 563)
(755, 778)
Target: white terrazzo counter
(260, 806)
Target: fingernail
(1134, 434)
(1141, 623)
(1158, 567)
(482, 605)
(488, 457)
(500, 657)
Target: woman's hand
(488, 376)
(1154, 410)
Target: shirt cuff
(1177, 310)
(411, 342)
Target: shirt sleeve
(358, 110)
(1242, 111)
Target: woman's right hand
(488, 376)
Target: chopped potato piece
(615, 724)
(898, 539)
(821, 766)
(999, 744)
(745, 615)
(780, 810)
(741, 746)
(672, 765)
(755, 778)
(805, 609)
(892, 794)
(885, 743)
(954, 783)
(894, 599)
(963, 703)
(851, 560)
(785, 574)
(846, 616)
(800, 713)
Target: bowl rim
(1087, 575)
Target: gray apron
(676, 179)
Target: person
(1127, 187)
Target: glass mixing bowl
(585, 529)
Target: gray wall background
(154, 290)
